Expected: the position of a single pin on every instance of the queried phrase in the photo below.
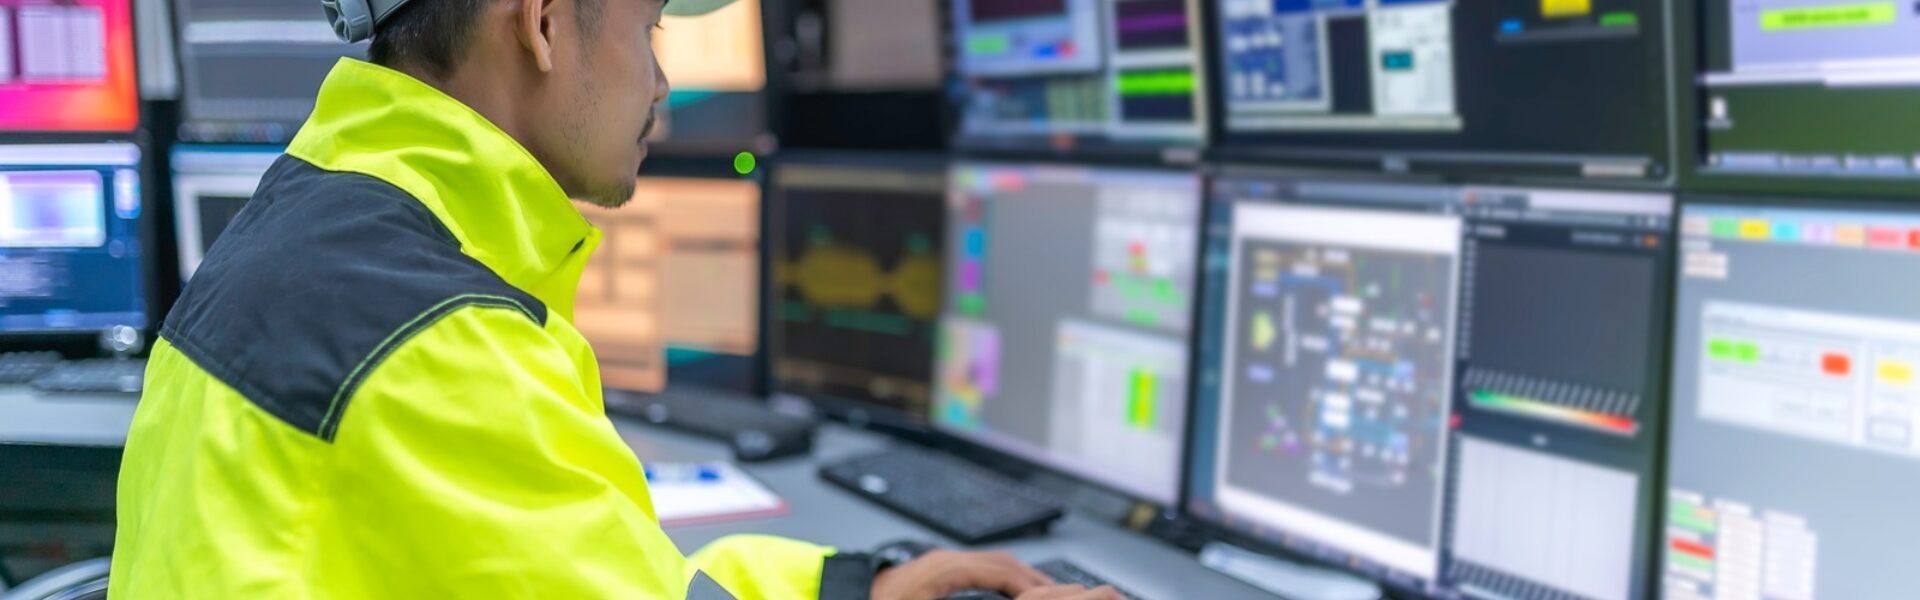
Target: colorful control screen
(67, 66)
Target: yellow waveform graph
(843, 276)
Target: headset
(355, 20)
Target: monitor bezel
(1220, 529)
(1098, 147)
(142, 111)
(186, 184)
(853, 412)
(1513, 167)
(86, 343)
(1696, 176)
(1684, 200)
(187, 75)
(1102, 499)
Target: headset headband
(355, 20)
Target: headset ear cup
(352, 19)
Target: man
(373, 389)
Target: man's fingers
(1001, 572)
(1054, 592)
(1027, 577)
(1105, 592)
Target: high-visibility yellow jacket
(372, 389)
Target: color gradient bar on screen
(1541, 410)
(1143, 389)
(1156, 83)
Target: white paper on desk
(697, 493)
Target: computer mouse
(753, 444)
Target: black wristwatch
(849, 576)
(898, 553)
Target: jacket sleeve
(755, 567)
(476, 464)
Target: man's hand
(943, 573)
(1073, 592)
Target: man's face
(608, 84)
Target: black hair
(432, 34)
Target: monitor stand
(1287, 579)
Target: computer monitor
(872, 45)
(67, 67)
(717, 65)
(617, 306)
(854, 63)
(210, 186)
(1555, 88)
(1792, 455)
(250, 69)
(1819, 89)
(1453, 390)
(72, 257)
(1068, 73)
(1064, 340)
(857, 242)
(677, 266)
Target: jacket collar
(501, 204)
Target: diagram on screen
(1339, 398)
(1282, 60)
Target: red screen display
(67, 65)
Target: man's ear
(535, 28)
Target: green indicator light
(1720, 348)
(1619, 19)
(988, 44)
(1747, 352)
(744, 163)
(1156, 83)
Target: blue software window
(70, 248)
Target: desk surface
(818, 513)
(827, 515)
(27, 417)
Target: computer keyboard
(1066, 572)
(20, 368)
(100, 376)
(957, 499)
(1062, 572)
